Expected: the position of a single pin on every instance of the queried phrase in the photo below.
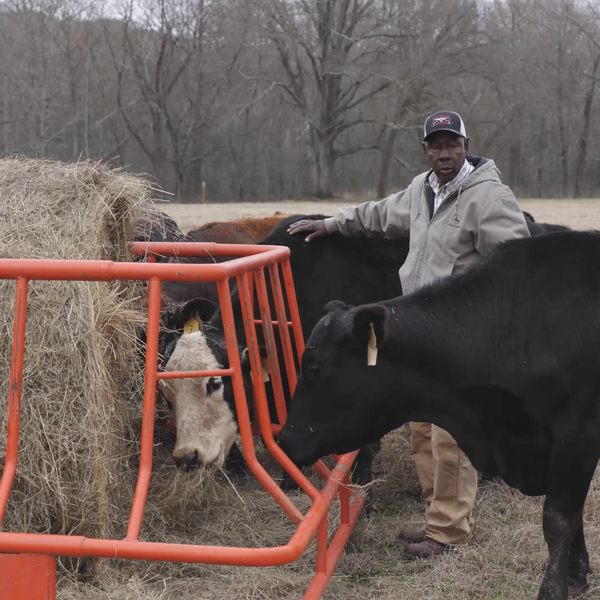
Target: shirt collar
(464, 172)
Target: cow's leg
(569, 474)
(362, 472)
(559, 530)
(579, 563)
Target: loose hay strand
(231, 484)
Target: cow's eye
(213, 385)
(312, 371)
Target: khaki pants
(449, 483)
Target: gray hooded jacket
(466, 227)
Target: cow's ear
(367, 315)
(264, 363)
(196, 309)
(245, 361)
(336, 307)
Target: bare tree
(435, 43)
(590, 29)
(164, 56)
(265, 99)
(328, 51)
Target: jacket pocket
(441, 265)
(452, 241)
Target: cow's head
(206, 428)
(336, 407)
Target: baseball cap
(444, 120)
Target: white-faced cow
(206, 428)
(505, 358)
(203, 408)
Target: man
(455, 214)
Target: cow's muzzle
(188, 462)
(301, 449)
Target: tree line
(273, 99)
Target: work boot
(426, 549)
(412, 536)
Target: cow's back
(357, 270)
(354, 269)
(241, 231)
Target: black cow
(357, 270)
(505, 358)
(162, 229)
(536, 228)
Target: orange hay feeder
(27, 564)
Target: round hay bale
(82, 376)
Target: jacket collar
(476, 161)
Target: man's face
(446, 152)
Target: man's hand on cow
(316, 226)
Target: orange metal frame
(249, 271)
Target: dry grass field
(579, 214)
(505, 559)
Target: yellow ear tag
(193, 325)
(264, 368)
(264, 365)
(372, 349)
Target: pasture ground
(579, 214)
(505, 559)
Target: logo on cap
(442, 120)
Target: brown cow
(241, 231)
